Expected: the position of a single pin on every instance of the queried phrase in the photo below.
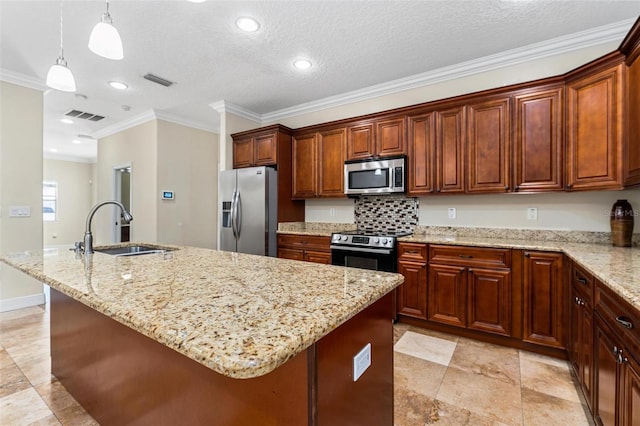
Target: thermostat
(167, 195)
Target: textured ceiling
(352, 44)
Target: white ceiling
(352, 44)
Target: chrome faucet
(87, 246)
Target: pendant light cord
(61, 48)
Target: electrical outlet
(451, 211)
(532, 213)
(19, 211)
(332, 212)
(361, 362)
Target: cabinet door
(488, 146)
(489, 300)
(360, 142)
(631, 394)
(606, 376)
(538, 146)
(581, 343)
(243, 153)
(412, 294)
(332, 152)
(317, 257)
(594, 130)
(265, 150)
(446, 295)
(543, 299)
(304, 166)
(450, 135)
(390, 137)
(421, 158)
(294, 254)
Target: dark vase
(621, 223)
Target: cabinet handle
(431, 190)
(465, 256)
(619, 358)
(516, 188)
(438, 190)
(625, 322)
(412, 251)
(569, 186)
(506, 188)
(470, 271)
(527, 254)
(582, 281)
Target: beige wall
(137, 147)
(586, 211)
(187, 165)
(75, 191)
(20, 185)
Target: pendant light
(60, 76)
(105, 40)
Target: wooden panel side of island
(122, 377)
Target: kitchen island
(197, 336)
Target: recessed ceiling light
(118, 85)
(197, 1)
(66, 120)
(76, 141)
(248, 24)
(302, 64)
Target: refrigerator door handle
(238, 214)
(233, 215)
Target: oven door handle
(360, 249)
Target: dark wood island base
(122, 377)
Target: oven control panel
(363, 241)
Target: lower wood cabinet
(411, 296)
(543, 293)
(309, 248)
(470, 288)
(616, 369)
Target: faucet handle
(79, 246)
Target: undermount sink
(131, 250)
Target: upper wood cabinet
(449, 147)
(421, 158)
(538, 146)
(594, 126)
(261, 147)
(488, 146)
(379, 138)
(318, 164)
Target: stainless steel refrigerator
(249, 202)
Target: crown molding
(576, 41)
(165, 116)
(226, 106)
(22, 80)
(124, 125)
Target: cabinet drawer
(470, 256)
(619, 315)
(412, 251)
(307, 242)
(582, 282)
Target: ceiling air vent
(158, 80)
(84, 115)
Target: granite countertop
(616, 267)
(240, 315)
(314, 228)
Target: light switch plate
(451, 211)
(19, 211)
(361, 362)
(532, 213)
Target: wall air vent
(84, 115)
(158, 80)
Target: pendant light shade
(60, 76)
(105, 40)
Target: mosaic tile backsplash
(386, 213)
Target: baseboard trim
(22, 302)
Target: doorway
(122, 193)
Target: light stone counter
(314, 228)
(616, 267)
(240, 315)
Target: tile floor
(439, 379)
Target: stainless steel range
(365, 249)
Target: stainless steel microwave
(374, 176)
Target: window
(49, 201)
